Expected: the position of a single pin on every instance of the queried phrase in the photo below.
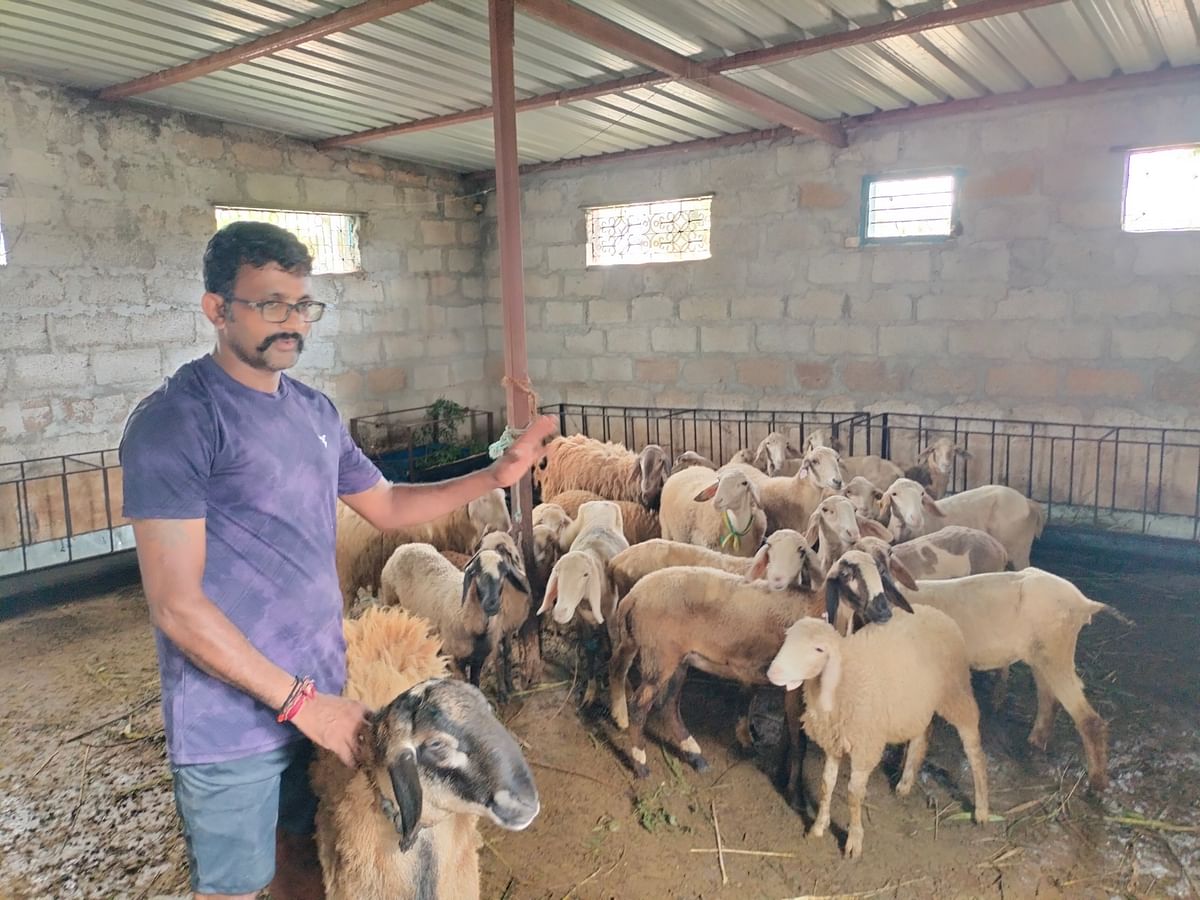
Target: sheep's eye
(436, 746)
(820, 649)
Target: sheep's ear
(635, 471)
(594, 583)
(551, 594)
(470, 573)
(814, 528)
(406, 785)
(930, 505)
(791, 452)
(516, 578)
(885, 506)
(759, 567)
(805, 471)
(871, 528)
(901, 573)
(754, 494)
(708, 493)
(892, 592)
(962, 452)
(924, 454)
(833, 597)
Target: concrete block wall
(1042, 309)
(106, 215)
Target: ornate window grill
(332, 238)
(661, 231)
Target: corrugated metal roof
(434, 59)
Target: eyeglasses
(277, 311)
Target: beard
(257, 357)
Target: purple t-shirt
(264, 471)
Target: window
(3, 250)
(913, 208)
(661, 231)
(332, 238)
(1162, 189)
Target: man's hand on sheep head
(525, 452)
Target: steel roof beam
(959, 15)
(342, 20)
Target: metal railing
(1131, 479)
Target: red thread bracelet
(292, 707)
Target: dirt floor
(85, 801)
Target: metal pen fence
(1122, 478)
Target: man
(232, 474)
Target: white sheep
(789, 502)
(691, 458)
(834, 527)
(1031, 616)
(362, 549)
(577, 462)
(934, 464)
(718, 510)
(461, 606)
(404, 824)
(630, 566)
(1004, 513)
(881, 686)
(725, 624)
(581, 590)
(951, 552)
(638, 523)
(552, 516)
(865, 496)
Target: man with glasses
(232, 473)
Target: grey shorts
(230, 811)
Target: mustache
(282, 336)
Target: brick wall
(1043, 308)
(106, 217)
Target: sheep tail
(1039, 513)
(1116, 614)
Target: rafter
(959, 15)
(344, 19)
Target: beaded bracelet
(302, 689)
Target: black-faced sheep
(881, 686)
(577, 462)
(404, 824)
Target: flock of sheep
(853, 583)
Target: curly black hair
(251, 244)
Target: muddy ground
(85, 801)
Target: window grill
(655, 232)
(910, 208)
(1162, 189)
(332, 238)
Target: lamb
(1002, 512)
(932, 469)
(834, 528)
(404, 824)
(461, 606)
(582, 574)
(789, 502)
(881, 686)
(516, 608)
(725, 624)
(577, 462)
(552, 516)
(630, 566)
(362, 549)
(1031, 616)
(639, 524)
(734, 522)
(864, 495)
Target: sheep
(834, 528)
(515, 613)
(630, 566)
(877, 470)
(461, 606)
(577, 462)
(691, 458)
(951, 552)
(552, 516)
(593, 513)
(456, 559)
(1030, 616)
(744, 456)
(1002, 512)
(776, 456)
(932, 469)
(404, 824)
(734, 522)
(789, 502)
(881, 686)
(362, 549)
(864, 495)
(638, 523)
(582, 574)
(725, 624)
